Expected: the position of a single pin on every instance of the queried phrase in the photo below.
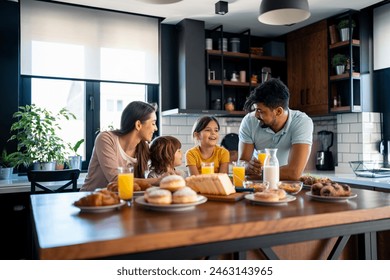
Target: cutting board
(228, 198)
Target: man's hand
(253, 167)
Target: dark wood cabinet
(307, 69)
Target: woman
(206, 134)
(122, 147)
(165, 155)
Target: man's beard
(262, 124)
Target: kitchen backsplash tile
(356, 136)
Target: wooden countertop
(64, 232)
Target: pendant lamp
(283, 12)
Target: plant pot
(45, 166)
(75, 162)
(345, 34)
(6, 173)
(60, 166)
(340, 69)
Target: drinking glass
(238, 173)
(126, 182)
(207, 167)
(261, 155)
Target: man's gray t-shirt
(297, 130)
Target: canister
(224, 44)
(235, 44)
(209, 44)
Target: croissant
(100, 198)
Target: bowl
(256, 186)
(291, 187)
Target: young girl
(206, 134)
(165, 155)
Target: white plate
(251, 197)
(100, 209)
(331, 198)
(170, 207)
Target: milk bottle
(271, 169)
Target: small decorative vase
(345, 34)
(340, 69)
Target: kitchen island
(212, 228)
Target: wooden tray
(229, 198)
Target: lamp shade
(283, 12)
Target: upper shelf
(244, 55)
(355, 75)
(355, 43)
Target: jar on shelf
(229, 105)
(216, 104)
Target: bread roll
(279, 192)
(160, 196)
(172, 183)
(147, 191)
(184, 195)
(266, 196)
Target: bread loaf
(218, 184)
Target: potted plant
(343, 26)
(75, 160)
(35, 133)
(7, 164)
(339, 61)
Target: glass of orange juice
(261, 155)
(207, 167)
(126, 182)
(238, 173)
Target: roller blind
(381, 37)
(75, 42)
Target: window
(91, 61)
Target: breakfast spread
(99, 198)
(218, 184)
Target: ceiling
(241, 16)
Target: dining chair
(68, 177)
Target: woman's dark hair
(162, 153)
(136, 111)
(201, 124)
(272, 93)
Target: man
(273, 125)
